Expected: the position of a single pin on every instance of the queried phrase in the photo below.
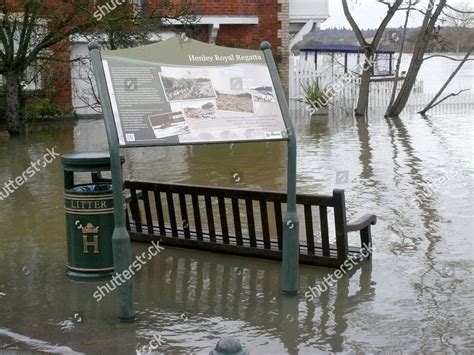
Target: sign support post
(290, 259)
(120, 239)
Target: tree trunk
(410, 79)
(13, 114)
(399, 60)
(364, 88)
(417, 60)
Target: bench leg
(135, 212)
(366, 240)
(127, 219)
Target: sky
(369, 14)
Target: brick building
(237, 23)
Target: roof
(340, 48)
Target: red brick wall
(57, 81)
(246, 36)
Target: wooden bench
(241, 222)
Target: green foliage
(44, 108)
(208, 105)
(314, 93)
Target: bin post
(121, 245)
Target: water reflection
(434, 287)
(334, 307)
(235, 290)
(429, 214)
(365, 156)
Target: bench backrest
(236, 216)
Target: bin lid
(88, 159)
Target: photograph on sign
(186, 84)
(239, 101)
(168, 124)
(200, 110)
(201, 100)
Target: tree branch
(390, 13)
(451, 77)
(423, 112)
(355, 27)
(447, 57)
(460, 11)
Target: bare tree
(31, 29)
(369, 49)
(421, 46)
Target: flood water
(416, 296)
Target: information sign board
(189, 92)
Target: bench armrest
(361, 222)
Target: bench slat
(197, 216)
(323, 216)
(172, 214)
(210, 218)
(223, 216)
(340, 220)
(265, 228)
(184, 215)
(159, 212)
(149, 220)
(308, 218)
(237, 222)
(135, 210)
(251, 222)
(279, 223)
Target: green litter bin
(89, 212)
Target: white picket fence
(380, 91)
(301, 73)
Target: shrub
(44, 108)
(314, 93)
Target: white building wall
(302, 11)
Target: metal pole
(290, 262)
(120, 238)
